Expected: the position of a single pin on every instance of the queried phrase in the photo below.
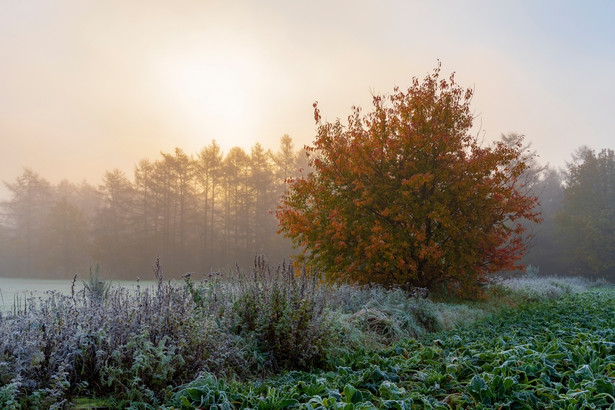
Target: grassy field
(15, 291)
(274, 338)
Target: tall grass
(138, 346)
(533, 288)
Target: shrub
(130, 344)
(97, 288)
(283, 312)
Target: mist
(99, 86)
(196, 212)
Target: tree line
(196, 212)
(383, 206)
(577, 235)
(209, 211)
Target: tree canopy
(196, 213)
(587, 217)
(405, 195)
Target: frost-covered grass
(536, 288)
(557, 354)
(375, 317)
(139, 346)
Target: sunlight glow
(212, 99)
(211, 90)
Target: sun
(209, 98)
(211, 90)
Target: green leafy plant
(284, 312)
(373, 345)
(97, 288)
(9, 396)
(556, 354)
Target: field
(273, 338)
(14, 290)
(557, 354)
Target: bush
(284, 313)
(97, 288)
(133, 345)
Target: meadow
(272, 337)
(15, 291)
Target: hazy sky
(88, 86)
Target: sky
(89, 86)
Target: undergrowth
(555, 354)
(137, 348)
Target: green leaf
(584, 373)
(478, 388)
(604, 386)
(508, 382)
(352, 395)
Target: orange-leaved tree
(405, 195)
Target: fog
(93, 86)
(91, 89)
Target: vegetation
(557, 354)
(547, 252)
(197, 212)
(578, 207)
(405, 195)
(587, 218)
(212, 210)
(96, 287)
(142, 347)
(400, 200)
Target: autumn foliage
(405, 195)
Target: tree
(545, 183)
(546, 251)
(288, 163)
(263, 187)
(112, 223)
(8, 266)
(534, 173)
(236, 203)
(587, 218)
(145, 213)
(285, 159)
(27, 210)
(66, 238)
(406, 196)
(209, 175)
(184, 209)
(176, 226)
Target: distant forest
(198, 213)
(205, 212)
